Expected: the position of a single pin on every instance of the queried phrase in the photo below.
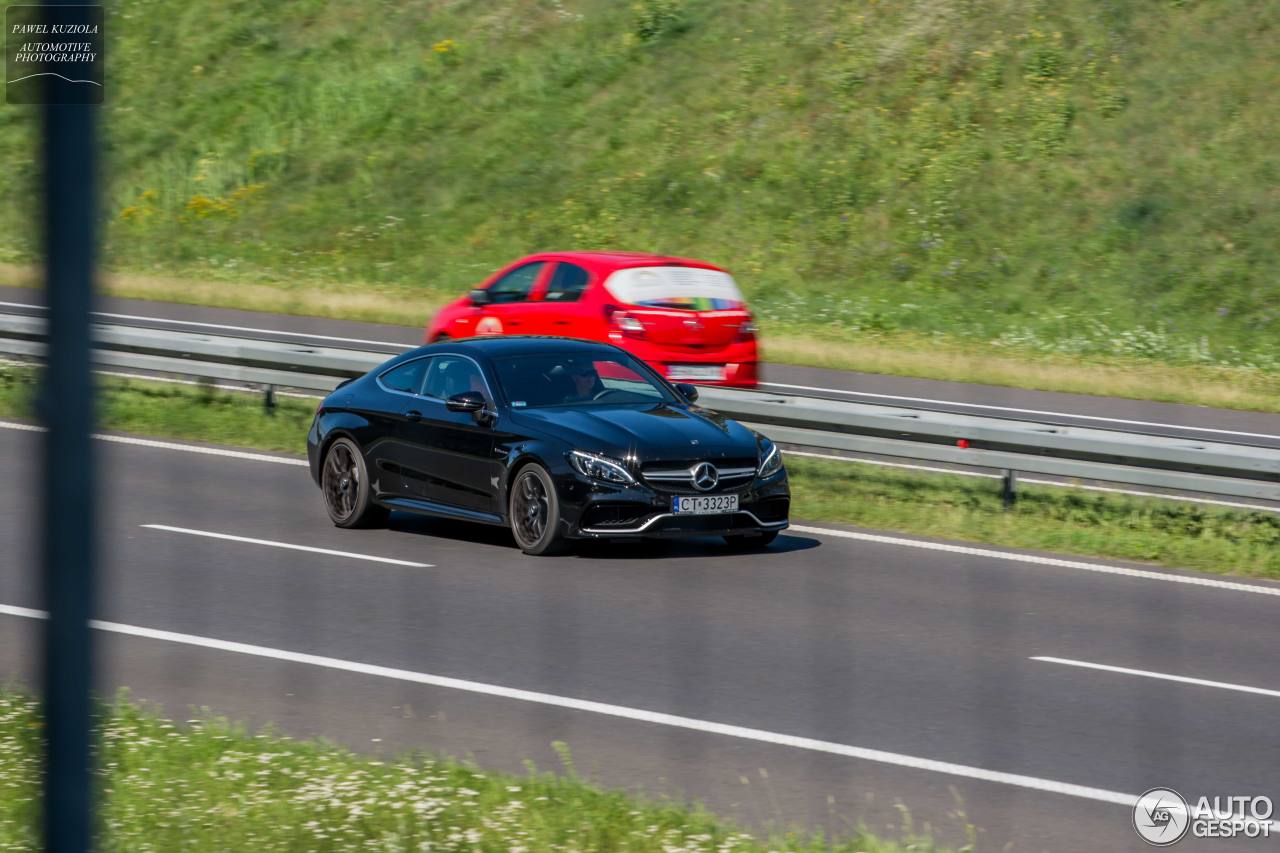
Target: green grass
(1081, 178)
(210, 785)
(193, 413)
(1069, 521)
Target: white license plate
(703, 372)
(704, 504)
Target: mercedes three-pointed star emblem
(705, 477)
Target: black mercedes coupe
(557, 439)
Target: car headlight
(599, 467)
(772, 458)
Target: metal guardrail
(233, 359)
(1217, 468)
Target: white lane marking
(1024, 411)
(271, 543)
(1036, 481)
(228, 327)
(170, 445)
(21, 427)
(24, 612)
(619, 711)
(1163, 676)
(1033, 559)
(193, 448)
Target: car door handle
(413, 415)
(562, 322)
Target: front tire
(751, 542)
(534, 512)
(348, 493)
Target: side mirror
(479, 296)
(689, 392)
(467, 401)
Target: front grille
(676, 476)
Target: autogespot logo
(1161, 817)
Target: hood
(661, 431)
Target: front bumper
(591, 510)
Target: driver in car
(586, 383)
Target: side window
(567, 283)
(406, 377)
(515, 285)
(453, 374)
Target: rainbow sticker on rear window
(679, 288)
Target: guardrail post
(1009, 488)
(269, 398)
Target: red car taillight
(746, 332)
(628, 325)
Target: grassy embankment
(209, 785)
(1062, 195)
(1169, 533)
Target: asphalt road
(1206, 424)
(887, 655)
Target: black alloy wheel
(344, 481)
(534, 512)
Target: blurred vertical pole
(67, 510)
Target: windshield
(577, 379)
(682, 288)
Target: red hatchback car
(686, 318)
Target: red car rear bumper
(738, 363)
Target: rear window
(682, 288)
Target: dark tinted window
(515, 285)
(577, 379)
(406, 377)
(567, 283)
(453, 374)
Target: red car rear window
(681, 288)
